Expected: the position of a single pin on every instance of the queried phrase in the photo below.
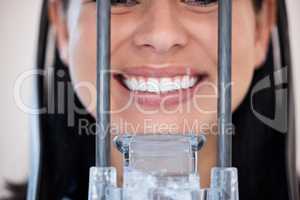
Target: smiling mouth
(154, 86)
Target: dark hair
(18, 190)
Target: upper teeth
(159, 85)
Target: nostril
(160, 39)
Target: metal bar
(103, 84)
(224, 84)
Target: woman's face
(164, 59)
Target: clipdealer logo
(280, 120)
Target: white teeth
(159, 85)
(177, 82)
(153, 85)
(192, 81)
(142, 85)
(166, 84)
(127, 82)
(132, 83)
(185, 82)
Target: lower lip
(166, 99)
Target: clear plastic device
(161, 167)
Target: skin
(161, 32)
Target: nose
(160, 31)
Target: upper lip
(161, 71)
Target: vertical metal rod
(103, 84)
(224, 84)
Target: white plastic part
(161, 154)
(161, 167)
(224, 182)
(139, 185)
(101, 178)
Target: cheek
(82, 57)
(243, 46)
(122, 33)
(243, 49)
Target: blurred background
(18, 36)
